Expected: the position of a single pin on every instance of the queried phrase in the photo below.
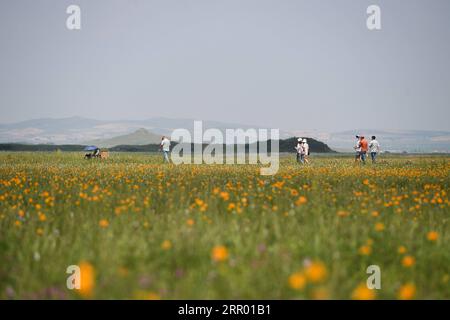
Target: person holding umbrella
(95, 152)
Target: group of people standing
(302, 148)
(362, 147)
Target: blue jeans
(373, 155)
(363, 156)
(166, 156)
(300, 157)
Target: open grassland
(141, 229)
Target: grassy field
(140, 229)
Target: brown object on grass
(104, 154)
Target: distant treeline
(40, 147)
(286, 145)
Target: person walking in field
(374, 146)
(357, 148)
(165, 147)
(364, 145)
(299, 149)
(306, 150)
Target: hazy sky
(290, 64)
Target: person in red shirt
(364, 148)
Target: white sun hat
(304, 140)
(299, 139)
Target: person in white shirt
(299, 148)
(374, 147)
(305, 150)
(357, 148)
(165, 146)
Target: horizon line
(356, 130)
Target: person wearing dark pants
(374, 147)
(299, 149)
(165, 146)
(364, 148)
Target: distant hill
(78, 130)
(139, 137)
(287, 145)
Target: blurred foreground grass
(141, 229)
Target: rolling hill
(78, 130)
(139, 137)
